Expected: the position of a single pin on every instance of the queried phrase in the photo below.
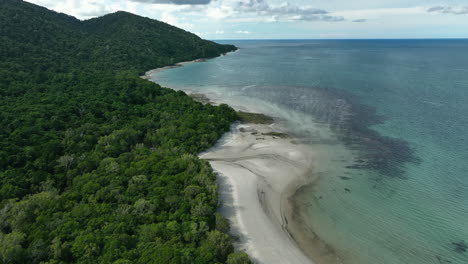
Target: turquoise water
(399, 193)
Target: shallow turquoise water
(399, 106)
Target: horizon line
(466, 38)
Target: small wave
(248, 87)
(432, 103)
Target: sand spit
(258, 173)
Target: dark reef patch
(460, 247)
(351, 121)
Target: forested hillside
(96, 164)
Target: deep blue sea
(389, 121)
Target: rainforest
(98, 165)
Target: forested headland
(96, 164)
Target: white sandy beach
(257, 175)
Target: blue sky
(290, 19)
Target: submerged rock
(460, 247)
(442, 260)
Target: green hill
(140, 41)
(36, 39)
(96, 164)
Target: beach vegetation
(254, 118)
(238, 258)
(276, 134)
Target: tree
(238, 258)
(216, 246)
(222, 224)
(11, 250)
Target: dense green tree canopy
(96, 164)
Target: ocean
(388, 120)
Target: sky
(289, 19)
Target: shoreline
(149, 73)
(258, 175)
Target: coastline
(149, 73)
(257, 175)
(351, 217)
(259, 172)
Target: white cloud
(219, 32)
(200, 34)
(219, 12)
(242, 32)
(171, 19)
(78, 8)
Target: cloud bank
(449, 10)
(360, 20)
(285, 11)
(175, 2)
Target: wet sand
(257, 174)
